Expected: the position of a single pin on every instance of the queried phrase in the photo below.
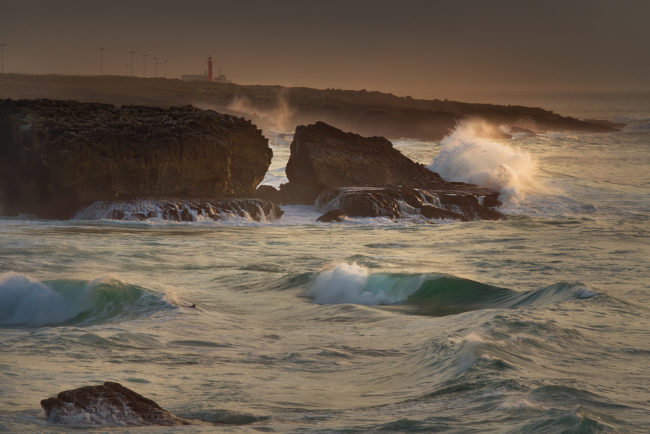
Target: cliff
(58, 156)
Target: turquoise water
(538, 323)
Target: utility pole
(2, 48)
(144, 65)
(132, 53)
(155, 67)
(101, 60)
(165, 68)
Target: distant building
(207, 75)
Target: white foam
(467, 155)
(519, 404)
(585, 293)
(469, 353)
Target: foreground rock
(182, 210)
(107, 404)
(57, 157)
(406, 202)
(345, 174)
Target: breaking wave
(28, 302)
(467, 155)
(437, 294)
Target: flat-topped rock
(57, 157)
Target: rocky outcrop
(57, 157)
(405, 202)
(366, 177)
(182, 210)
(109, 404)
(324, 157)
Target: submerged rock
(405, 202)
(182, 210)
(109, 404)
(335, 215)
(57, 157)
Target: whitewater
(537, 323)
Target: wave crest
(435, 294)
(29, 302)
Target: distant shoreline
(281, 108)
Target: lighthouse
(207, 75)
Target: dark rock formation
(182, 210)
(58, 156)
(335, 215)
(107, 404)
(406, 202)
(324, 157)
(367, 177)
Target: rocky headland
(57, 157)
(282, 108)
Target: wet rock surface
(335, 215)
(405, 202)
(58, 156)
(182, 210)
(109, 404)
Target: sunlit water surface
(536, 323)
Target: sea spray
(277, 119)
(468, 155)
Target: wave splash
(437, 294)
(28, 302)
(467, 155)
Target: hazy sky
(419, 48)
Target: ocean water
(539, 323)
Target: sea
(536, 323)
